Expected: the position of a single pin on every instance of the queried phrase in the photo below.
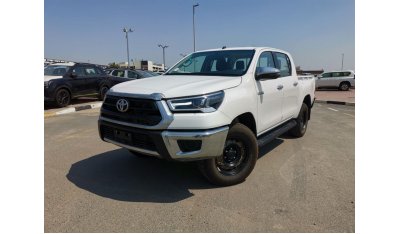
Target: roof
(243, 48)
(63, 64)
(340, 71)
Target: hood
(171, 86)
(48, 78)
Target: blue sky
(315, 32)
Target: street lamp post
(342, 60)
(126, 31)
(163, 52)
(194, 32)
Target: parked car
(123, 75)
(215, 106)
(65, 81)
(342, 80)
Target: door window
(326, 75)
(283, 64)
(266, 60)
(118, 73)
(90, 71)
(79, 71)
(132, 75)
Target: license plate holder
(122, 136)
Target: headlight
(205, 103)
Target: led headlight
(204, 103)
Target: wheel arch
(248, 120)
(307, 101)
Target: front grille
(141, 111)
(135, 139)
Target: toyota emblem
(122, 105)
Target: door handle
(295, 83)
(279, 87)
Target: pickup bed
(215, 106)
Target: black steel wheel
(302, 122)
(63, 98)
(237, 160)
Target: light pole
(126, 31)
(194, 32)
(342, 60)
(163, 52)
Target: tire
(302, 122)
(102, 92)
(344, 86)
(63, 98)
(238, 160)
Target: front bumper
(167, 144)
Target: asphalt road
(298, 185)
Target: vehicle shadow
(263, 150)
(119, 175)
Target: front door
(270, 96)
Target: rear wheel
(237, 161)
(344, 86)
(63, 98)
(302, 121)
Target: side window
(132, 75)
(326, 75)
(118, 73)
(114, 73)
(283, 64)
(346, 73)
(90, 71)
(79, 71)
(266, 60)
(337, 74)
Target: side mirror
(267, 73)
(73, 75)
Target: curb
(72, 110)
(336, 102)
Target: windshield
(214, 63)
(55, 70)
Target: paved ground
(298, 185)
(335, 95)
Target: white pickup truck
(215, 106)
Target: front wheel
(63, 98)
(102, 92)
(237, 161)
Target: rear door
(78, 83)
(93, 78)
(290, 85)
(270, 96)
